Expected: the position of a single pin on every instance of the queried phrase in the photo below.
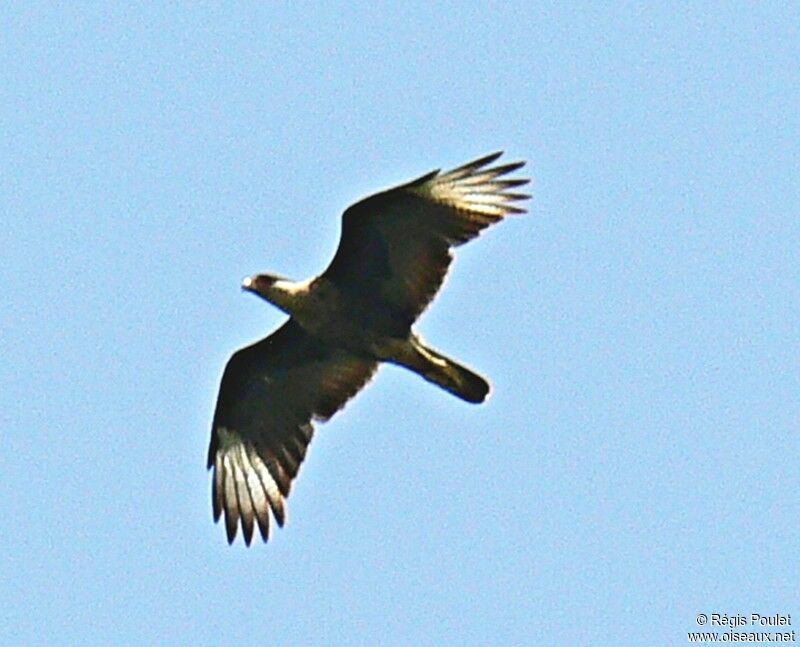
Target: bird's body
(335, 316)
(391, 261)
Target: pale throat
(288, 295)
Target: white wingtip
(477, 189)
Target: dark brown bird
(392, 258)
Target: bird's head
(279, 291)
(262, 284)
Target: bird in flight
(394, 252)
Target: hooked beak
(249, 284)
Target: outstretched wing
(270, 393)
(395, 245)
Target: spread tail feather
(443, 371)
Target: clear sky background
(637, 463)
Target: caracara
(393, 255)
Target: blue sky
(637, 463)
